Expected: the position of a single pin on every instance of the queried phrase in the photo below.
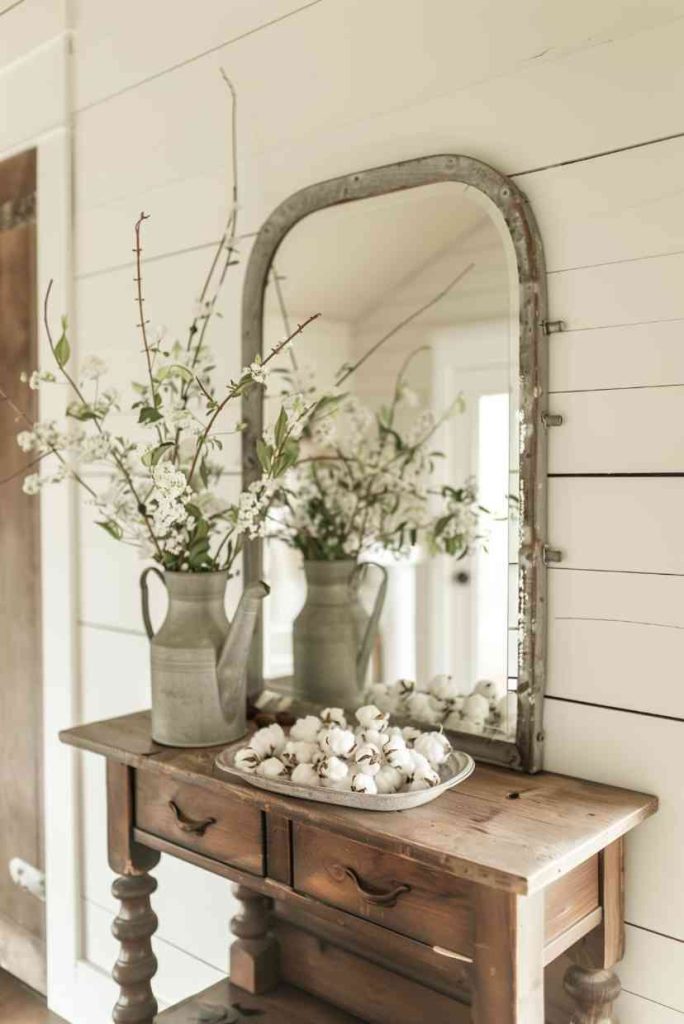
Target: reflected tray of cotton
(368, 764)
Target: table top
(509, 831)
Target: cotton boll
(272, 768)
(305, 775)
(383, 697)
(368, 759)
(334, 716)
(444, 687)
(394, 743)
(472, 726)
(378, 739)
(402, 760)
(454, 720)
(410, 735)
(340, 785)
(362, 783)
(339, 742)
(306, 729)
(476, 707)
(299, 752)
(388, 779)
(507, 709)
(419, 762)
(269, 741)
(423, 780)
(332, 768)
(491, 691)
(405, 687)
(422, 707)
(434, 746)
(371, 717)
(247, 760)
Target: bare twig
(345, 373)
(236, 387)
(139, 299)
(119, 462)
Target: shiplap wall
(572, 99)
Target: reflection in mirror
(393, 564)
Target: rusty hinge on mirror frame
(551, 556)
(551, 419)
(553, 326)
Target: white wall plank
(437, 44)
(617, 357)
(634, 1010)
(639, 291)
(621, 206)
(617, 639)
(618, 431)
(654, 967)
(109, 57)
(27, 25)
(624, 523)
(361, 118)
(646, 754)
(40, 78)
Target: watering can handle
(371, 629)
(145, 597)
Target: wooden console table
(447, 913)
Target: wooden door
(22, 948)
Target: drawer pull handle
(375, 896)
(185, 824)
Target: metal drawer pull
(186, 824)
(374, 896)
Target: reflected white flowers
(368, 484)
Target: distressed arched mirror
(428, 276)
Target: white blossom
(92, 368)
(31, 484)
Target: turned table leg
(136, 922)
(134, 926)
(593, 991)
(254, 962)
(591, 983)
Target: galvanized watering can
(199, 659)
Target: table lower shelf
(285, 1005)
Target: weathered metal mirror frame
(526, 751)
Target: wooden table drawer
(427, 905)
(215, 824)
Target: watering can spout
(232, 663)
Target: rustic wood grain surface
(508, 831)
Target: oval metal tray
(456, 769)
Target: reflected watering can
(199, 659)
(333, 635)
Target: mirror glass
(411, 469)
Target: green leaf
(81, 413)
(62, 348)
(204, 472)
(264, 454)
(174, 370)
(148, 414)
(112, 528)
(281, 428)
(152, 457)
